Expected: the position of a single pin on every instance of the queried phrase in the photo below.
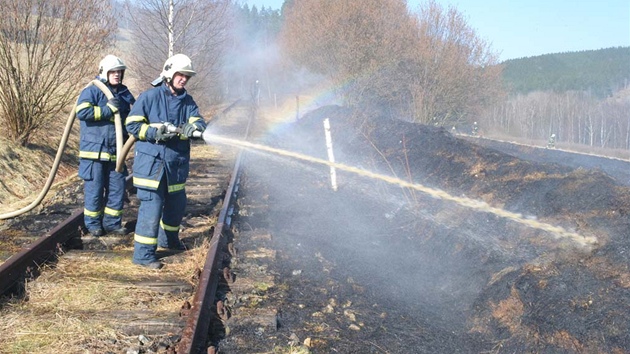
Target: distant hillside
(603, 72)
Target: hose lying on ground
(62, 146)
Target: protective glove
(188, 130)
(163, 135)
(114, 104)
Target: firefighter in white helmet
(104, 188)
(178, 63)
(162, 158)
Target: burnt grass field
(432, 276)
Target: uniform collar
(167, 91)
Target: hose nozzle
(171, 128)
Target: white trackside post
(331, 156)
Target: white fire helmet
(178, 63)
(110, 63)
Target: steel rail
(25, 263)
(195, 333)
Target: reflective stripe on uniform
(145, 182)
(92, 213)
(97, 113)
(83, 105)
(86, 105)
(104, 156)
(145, 240)
(168, 227)
(176, 187)
(113, 212)
(131, 119)
(143, 132)
(192, 120)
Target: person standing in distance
(104, 188)
(161, 162)
(552, 142)
(475, 129)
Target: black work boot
(152, 265)
(178, 247)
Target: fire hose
(62, 146)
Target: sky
(525, 28)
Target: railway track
(60, 274)
(303, 269)
(372, 269)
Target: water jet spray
(560, 232)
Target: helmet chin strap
(173, 89)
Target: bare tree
(161, 28)
(576, 117)
(349, 41)
(429, 68)
(456, 72)
(46, 48)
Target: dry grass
(24, 170)
(82, 304)
(57, 316)
(21, 171)
(603, 268)
(566, 341)
(74, 307)
(509, 312)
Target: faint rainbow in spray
(289, 109)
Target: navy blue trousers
(104, 192)
(159, 217)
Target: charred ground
(426, 275)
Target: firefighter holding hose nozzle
(104, 188)
(163, 121)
